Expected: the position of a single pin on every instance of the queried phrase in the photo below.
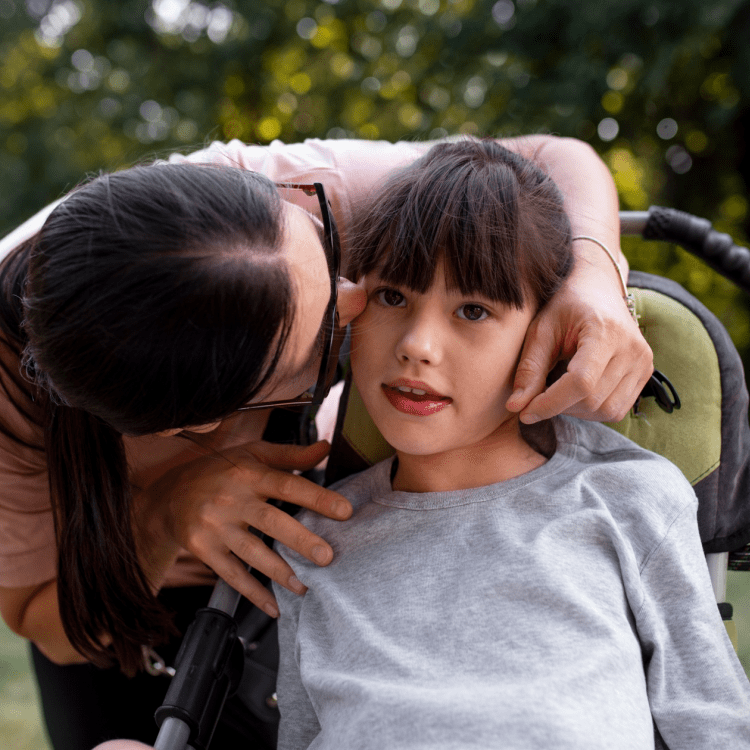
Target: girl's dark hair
(494, 219)
(152, 298)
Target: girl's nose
(420, 342)
(350, 302)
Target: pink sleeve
(348, 169)
(27, 535)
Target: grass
(738, 593)
(21, 726)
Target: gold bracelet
(627, 296)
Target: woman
(154, 304)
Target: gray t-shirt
(567, 608)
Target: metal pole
(633, 222)
(224, 598)
(173, 735)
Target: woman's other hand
(211, 505)
(588, 323)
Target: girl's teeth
(415, 391)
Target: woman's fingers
(538, 355)
(610, 362)
(583, 382)
(284, 528)
(265, 482)
(220, 517)
(254, 552)
(290, 457)
(213, 504)
(586, 392)
(267, 478)
(243, 546)
(232, 570)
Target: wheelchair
(693, 411)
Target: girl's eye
(391, 298)
(472, 312)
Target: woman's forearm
(33, 613)
(590, 195)
(588, 321)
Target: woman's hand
(587, 323)
(208, 504)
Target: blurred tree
(659, 87)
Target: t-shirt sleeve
(299, 723)
(27, 535)
(698, 692)
(349, 169)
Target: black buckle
(666, 397)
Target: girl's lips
(413, 403)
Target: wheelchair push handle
(694, 234)
(208, 669)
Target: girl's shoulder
(363, 486)
(641, 489)
(599, 446)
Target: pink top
(348, 170)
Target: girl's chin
(431, 440)
(422, 446)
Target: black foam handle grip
(208, 669)
(698, 237)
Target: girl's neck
(499, 457)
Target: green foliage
(659, 88)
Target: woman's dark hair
(493, 218)
(152, 298)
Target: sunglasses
(333, 334)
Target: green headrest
(683, 350)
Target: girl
(497, 585)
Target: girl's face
(435, 370)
